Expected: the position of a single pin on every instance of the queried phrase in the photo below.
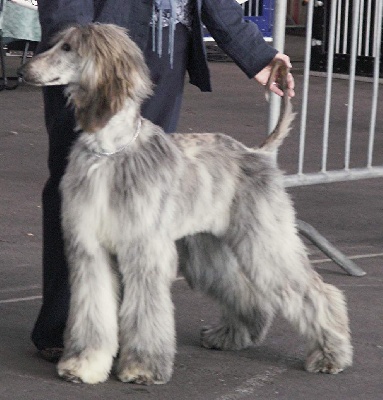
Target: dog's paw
(88, 367)
(225, 337)
(139, 375)
(318, 361)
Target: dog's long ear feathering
(111, 71)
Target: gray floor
(349, 214)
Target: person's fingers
(291, 85)
(263, 76)
(290, 80)
(275, 89)
(285, 58)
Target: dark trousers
(163, 108)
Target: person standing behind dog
(170, 34)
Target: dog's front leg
(147, 333)
(91, 336)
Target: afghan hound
(136, 203)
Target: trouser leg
(59, 119)
(164, 107)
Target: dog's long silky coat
(133, 196)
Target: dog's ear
(113, 70)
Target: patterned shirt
(183, 13)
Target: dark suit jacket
(240, 39)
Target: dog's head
(102, 67)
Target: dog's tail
(280, 71)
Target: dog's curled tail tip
(279, 73)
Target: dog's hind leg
(318, 310)
(147, 333)
(260, 268)
(91, 336)
(273, 257)
(209, 265)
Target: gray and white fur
(137, 202)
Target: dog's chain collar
(122, 148)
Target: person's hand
(263, 76)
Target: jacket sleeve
(55, 15)
(240, 39)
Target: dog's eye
(66, 47)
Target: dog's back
(199, 142)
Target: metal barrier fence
(262, 13)
(367, 38)
(369, 170)
(355, 44)
(259, 11)
(367, 28)
(252, 8)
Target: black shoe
(52, 354)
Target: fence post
(304, 228)
(279, 28)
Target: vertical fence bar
(306, 78)
(354, 43)
(345, 30)
(330, 64)
(377, 26)
(361, 17)
(279, 43)
(338, 27)
(367, 33)
(375, 90)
